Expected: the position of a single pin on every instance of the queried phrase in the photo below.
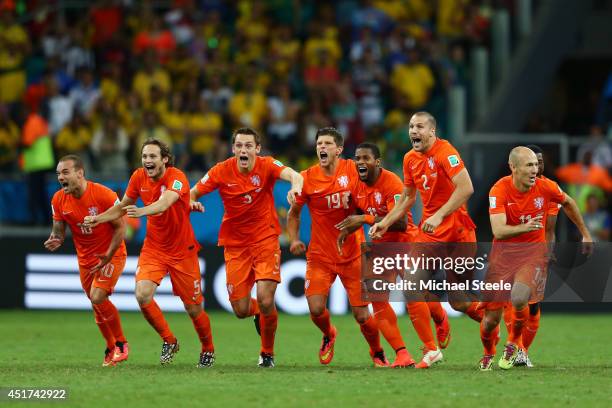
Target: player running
(517, 205)
(434, 167)
(375, 195)
(169, 247)
(250, 229)
(327, 191)
(100, 251)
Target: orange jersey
(169, 234)
(329, 202)
(379, 199)
(250, 215)
(553, 208)
(521, 207)
(431, 173)
(89, 242)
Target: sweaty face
(422, 134)
(327, 150)
(366, 164)
(153, 162)
(245, 150)
(68, 177)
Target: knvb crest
(378, 197)
(343, 181)
(256, 180)
(431, 163)
(93, 211)
(538, 202)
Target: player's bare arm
(164, 202)
(353, 222)
(194, 204)
(114, 212)
(573, 213)
(118, 236)
(462, 192)
(551, 224)
(405, 202)
(57, 236)
(297, 182)
(501, 230)
(296, 246)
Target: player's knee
(316, 310)
(459, 306)
(266, 304)
(520, 302)
(241, 311)
(143, 297)
(490, 321)
(193, 310)
(98, 297)
(361, 315)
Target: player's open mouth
(149, 167)
(323, 155)
(64, 184)
(415, 140)
(244, 160)
(363, 170)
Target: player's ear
(378, 162)
(339, 151)
(165, 160)
(258, 148)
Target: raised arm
(114, 212)
(297, 182)
(501, 230)
(573, 213)
(164, 202)
(462, 192)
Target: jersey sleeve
(210, 181)
(393, 193)
(497, 200)
(408, 181)
(450, 161)
(178, 183)
(276, 167)
(553, 209)
(108, 198)
(56, 210)
(133, 186)
(556, 194)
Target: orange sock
(421, 317)
(508, 318)
(519, 317)
(387, 323)
(268, 331)
(202, 325)
(530, 329)
(436, 311)
(489, 339)
(106, 331)
(156, 319)
(474, 312)
(110, 314)
(369, 329)
(253, 307)
(323, 322)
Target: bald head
(428, 116)
(520, 154)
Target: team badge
(431, 163)
(256, 180)
(378, 197)
(538, 202)
(93, 211)
(343, 181)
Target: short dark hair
(76, 161)
(333, 132)
(246, 131)
(372, 146)
(535, 148)
(163, 148)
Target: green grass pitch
(64, 349)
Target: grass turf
(64, 349)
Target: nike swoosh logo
(317, 191)
(360, 196)
(144, 189)
(66, 212)
(231, 184)
(509, 204)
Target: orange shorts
(246, 265)
(185, 276)
(106, 278)
(321, 275)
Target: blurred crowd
(99, 80)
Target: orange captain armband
(369, 219)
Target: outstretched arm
(405, 202)
(573, 213)
(462, 192)
(297, 182)
(164, 202)
(57, 236)
(111, 214)
(296, 247)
